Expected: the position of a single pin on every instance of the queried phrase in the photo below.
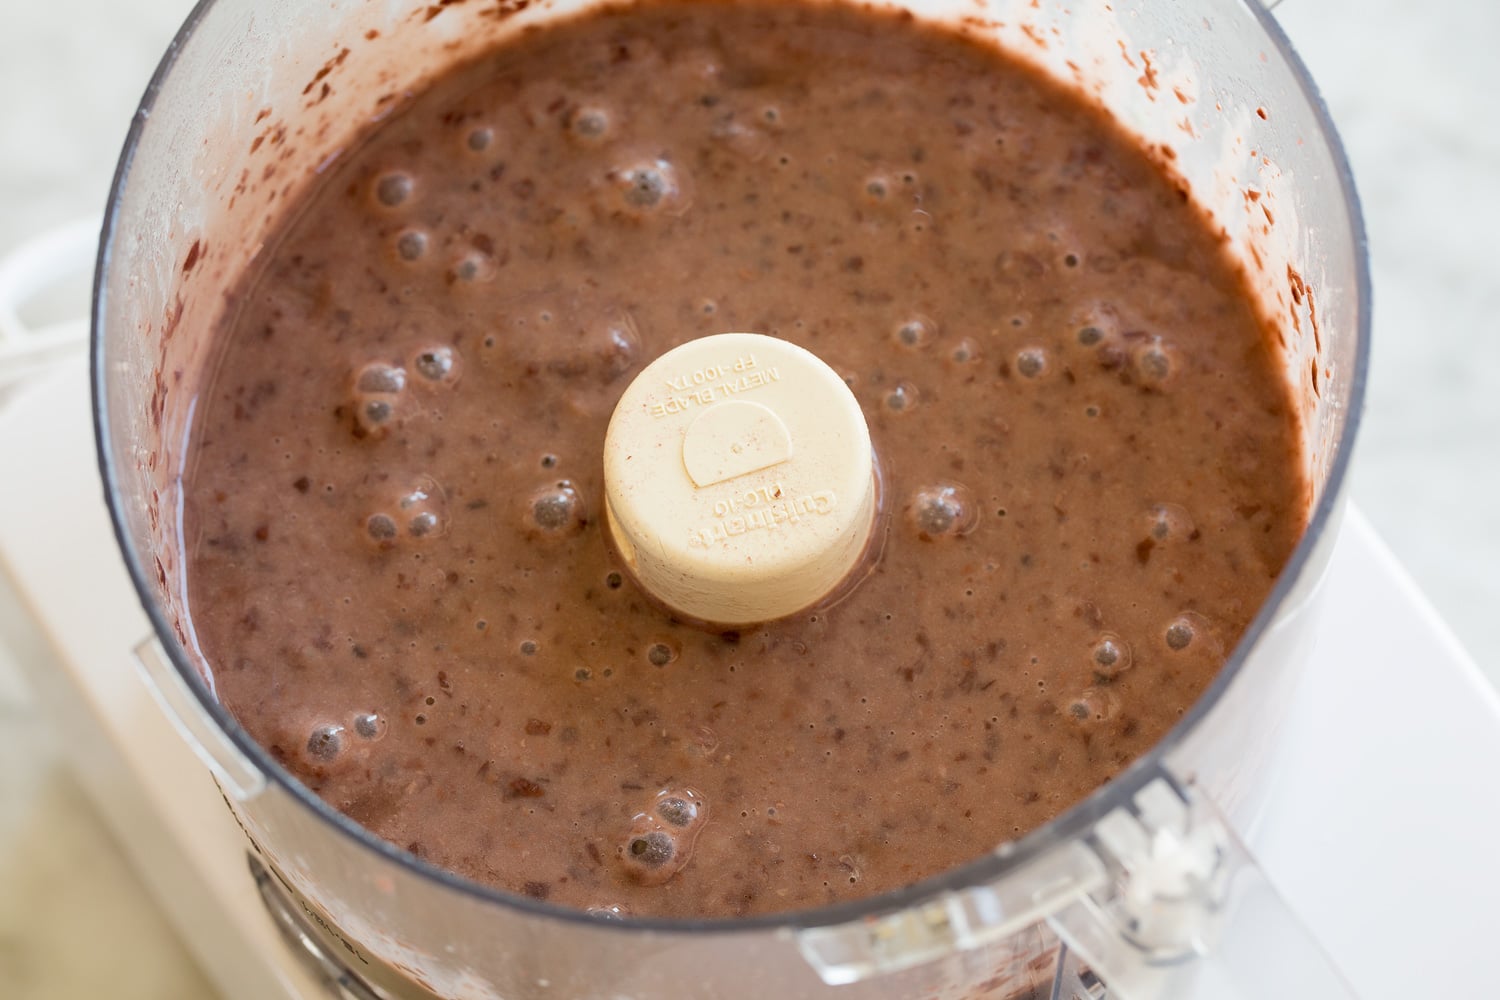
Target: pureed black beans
(397, 563)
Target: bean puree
(397, 562)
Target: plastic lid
(739, 481)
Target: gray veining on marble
(1412, 87)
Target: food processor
(1142, 890)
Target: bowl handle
(1186, 913)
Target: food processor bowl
(1145, 884)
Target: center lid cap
(739, 478)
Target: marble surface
(1411, 87)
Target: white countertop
(1412, 89)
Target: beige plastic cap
(738, 478)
